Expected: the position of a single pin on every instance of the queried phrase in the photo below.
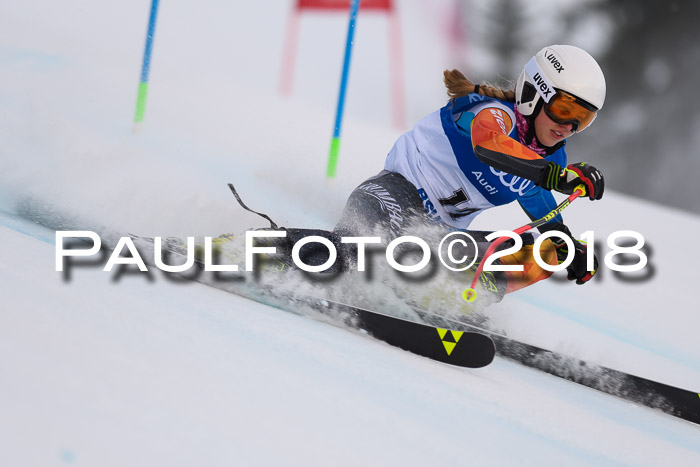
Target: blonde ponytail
(459, 85)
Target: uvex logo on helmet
(539, 80)
(551, 58)
(542, 84)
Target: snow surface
(115, 370)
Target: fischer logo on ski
(455, 336)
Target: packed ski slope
(105, 370)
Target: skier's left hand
(577, 269)
(565, 180)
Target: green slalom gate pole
(145, 68)
(335, 141)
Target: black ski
(461, 348)
(675, 401)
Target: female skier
(488, 147)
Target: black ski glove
(577, 269)
(565, 180)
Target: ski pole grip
(582, 189)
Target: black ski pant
(383, 205)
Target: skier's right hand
(577, 269)
(565, 180)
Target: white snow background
(95, 371)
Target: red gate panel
(343, 5)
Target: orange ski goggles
(565, 108)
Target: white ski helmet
(560, 68)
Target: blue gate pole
(335, 141)
(145, 68)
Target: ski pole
(470, 294)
